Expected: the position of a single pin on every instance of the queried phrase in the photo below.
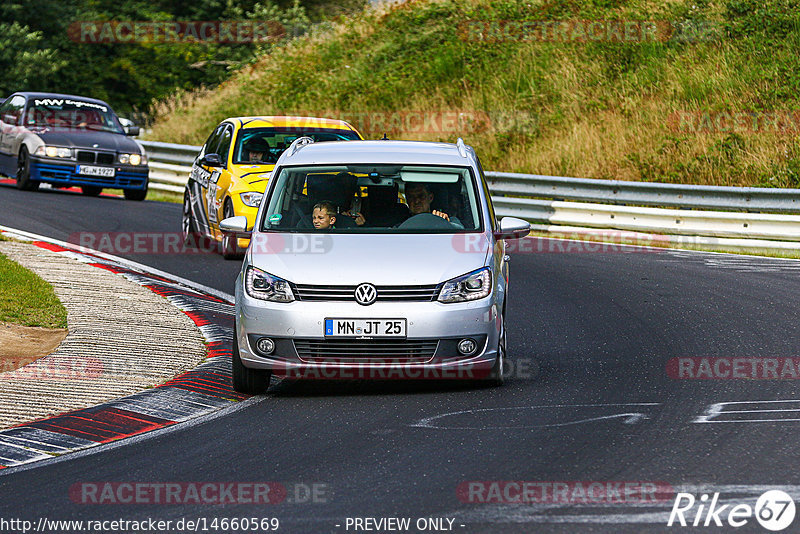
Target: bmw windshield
(364, 198)
(72, 114)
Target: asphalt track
(602, 328)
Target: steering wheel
(426, 221)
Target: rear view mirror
(234, 225)
(512, 228)
(211, 160)
(132, 131)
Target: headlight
(264, 286)
(133, 159)
(53, 152)
(252, 199)
(472, 286)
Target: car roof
(399, 152)
(31, 94)
(284, 121)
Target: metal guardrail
(738, 212)
(646, 193)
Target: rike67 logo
(774, 510)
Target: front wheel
(230, 242)
(246, 380)
(496, 377)
(136, 194)
(188, 229)
(24, 181)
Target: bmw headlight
(252, 199)
(471, 286)
(133, 159)
(53, 152)
(263, 286)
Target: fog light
(265, 345)
(467, 346)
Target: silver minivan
(373, 260)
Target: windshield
(265, 145)
(373, 199)
(72, 114)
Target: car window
(389, 198)
(213, 141)
(265, 145)
(225, 143)
(11, 110)
(72, 114)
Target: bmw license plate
(92, 170)
(365, 328)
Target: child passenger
(324, 215)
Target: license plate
(365, 328)
(91, 170)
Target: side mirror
(132, 131)
(235, 225)
(211, 160)
(512, 228)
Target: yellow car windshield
(265, 145)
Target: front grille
(385, 293)
(86, 157)
(105, 158)
(365, 350)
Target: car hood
(88, 139)
(257, 175)
(336, 259)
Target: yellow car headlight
(252, 198)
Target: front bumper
(65, 174)
(303, 322)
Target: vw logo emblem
(366, 294)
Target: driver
(419, 199)
(256, 148)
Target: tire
(246, 380)
(24, 181)
(136, 194)
(230, 243)
(496, 378)
(91, 190)
(189, 231)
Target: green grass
(587, 109)
(26, 299)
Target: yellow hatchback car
(231, 172)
